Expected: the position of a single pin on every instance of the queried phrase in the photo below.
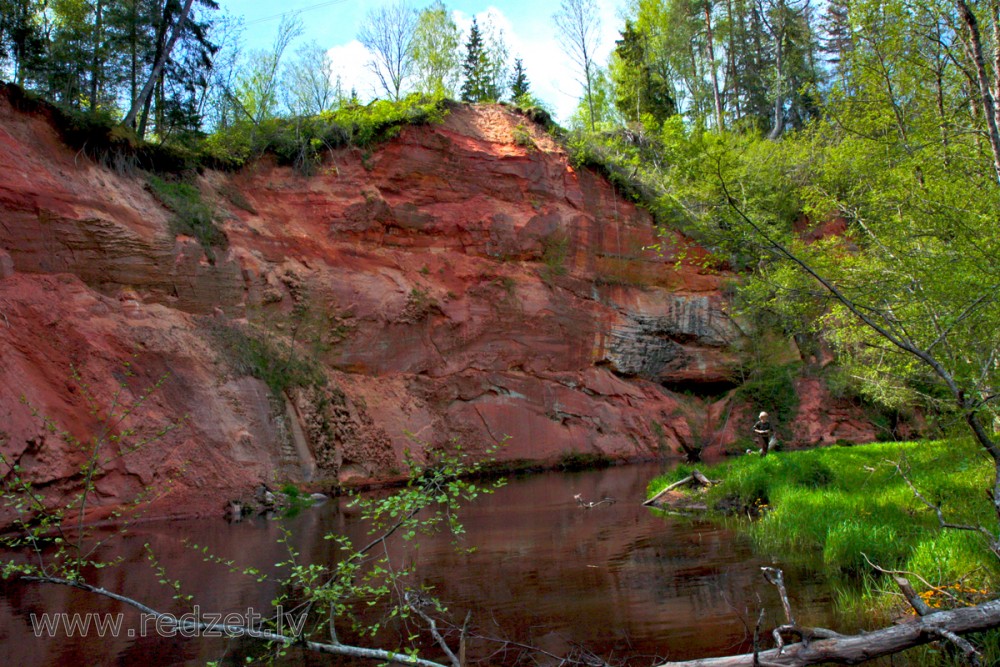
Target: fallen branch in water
(591, 504)
(696, 478)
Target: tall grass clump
(254, 351)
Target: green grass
(839, 505)
(191, 214)
(250, 350)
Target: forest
(842, 157)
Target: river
(619, 580)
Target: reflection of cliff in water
(616, 578)
(619, 580)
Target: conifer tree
(519, 81)
(474, 68)
(836, 38)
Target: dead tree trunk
(696, 478)
(852, 649)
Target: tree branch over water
(183, 625)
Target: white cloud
(350, 63)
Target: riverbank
(858, 507)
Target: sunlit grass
(849, 508)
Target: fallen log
(853, 649)
(695, 478)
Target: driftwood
(852, 649)
(696, 478)
(820, 645)
(588, 505)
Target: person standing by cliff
(764, 433)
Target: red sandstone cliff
(467, 287)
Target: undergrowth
(772, 386)
(250, 350)
(296, 141)
(302, 141)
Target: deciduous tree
(388, 32)
(436, 46)
(311, 86)
(579, 25)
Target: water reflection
(618, 579)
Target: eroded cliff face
(457, 286)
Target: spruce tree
(519, 81)
(474, 88)
(836, 38)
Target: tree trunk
(852, 649)
(161, 61)
(133, 74)
(732, 82)
(95, 69)
(161, 36)
(590, 91)
(986, 98)
(940, 64)
(717, 98)
(779, 97)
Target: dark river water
(622, 581)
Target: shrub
(252, 351)
(555, 250)
(522, 137)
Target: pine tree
(21, 40)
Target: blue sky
(528, 29)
